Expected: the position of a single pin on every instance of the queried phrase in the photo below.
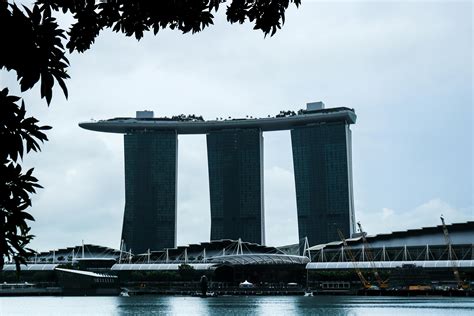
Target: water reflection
(295, 305)
(299, 305)
(235, 305)
(188, 306)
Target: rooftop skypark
(193, 124)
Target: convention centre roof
(438, 264)
(459, 233)
(206, 255)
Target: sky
(405, 67)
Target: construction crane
(362, 279)
(368, 251)
(452, 257)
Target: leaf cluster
(18, 134)
(35, 48)
(32, 46)
(187, 272)
(268, 15)
(134, 18)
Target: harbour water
(236, 305)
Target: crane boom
(452, 255)
(370, 258)
(362, 279)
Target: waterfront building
(150, 190)
(323, 179)
(323, 176)
(235, 162)
(419, 257)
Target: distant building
(235, 159)
(419, 259)
(409, 257)
(230, 261)
(150, 190)
(323, 177)
(321, 142)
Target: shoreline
(58, 292)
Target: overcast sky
(405, 67)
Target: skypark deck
(197, 126)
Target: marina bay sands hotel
(321, 143)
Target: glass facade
(150, 191)
(235, 159)
(323, 178)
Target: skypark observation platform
(127, 125)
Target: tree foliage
(17, 135)
(34, 50)
(186, 272)
(134, 18)
(34, 46)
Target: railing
(403, 253)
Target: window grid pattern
(322, 178)
(150, 191)
(236, 184)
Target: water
(235, 305)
